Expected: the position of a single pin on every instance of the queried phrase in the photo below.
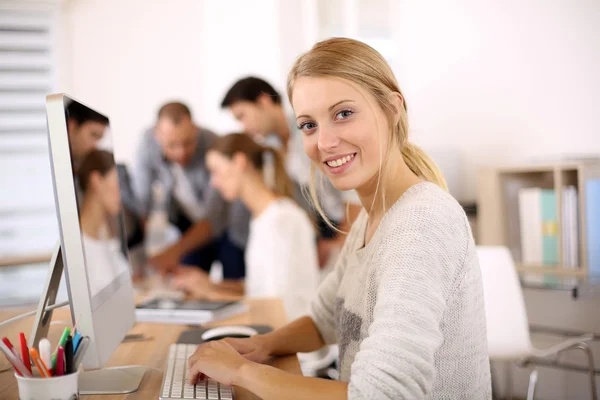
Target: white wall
(126, 58)
(501, 79)
(485, 82)
(239, 38)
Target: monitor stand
(117, 380)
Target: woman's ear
(210, 159)
(95, 180)
(398, 104)
(240, 160)
(72, 126)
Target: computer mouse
(234, 331)
(167, 304)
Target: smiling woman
(405, 301)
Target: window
(370, 21)
(28, 224)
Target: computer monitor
(93, 246)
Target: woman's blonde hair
(267, 160)
(359, 63)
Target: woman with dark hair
(281, 258)
(99, 210)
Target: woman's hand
(254, 349)
(193, 281)
(217, 360)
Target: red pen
(14, 361)
(25, 352)
(60, 361)
(11, 347)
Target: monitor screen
(98, 200)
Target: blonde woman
(405, 301)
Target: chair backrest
(507, 325)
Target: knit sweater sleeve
(419, 260)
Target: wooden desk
(150, 353)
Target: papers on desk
(190, 312)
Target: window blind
(28, 223)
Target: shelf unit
(498, 210)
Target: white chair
(508, 333)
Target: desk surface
(150, 353)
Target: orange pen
(37, 360)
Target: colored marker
(14, 361)
(83, 345)
(69, 356)
(76, 340)
(61, 342)
(37, 360)
(45, 350)
(60, 362)
(25, 352)
(10, 347)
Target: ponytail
(266, 160)
(422, 165)
(274, 173)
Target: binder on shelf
(530, 221)
(538, 219)
(570, 227)
(592, 216)
(549, 227)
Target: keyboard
(175, 381)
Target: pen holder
(65, 387)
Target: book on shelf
(592, 216)
(538, 221)
(570, 227)
(549, 227)
(530, 221)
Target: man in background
(173, 154)
(259, 108)
(85, 128)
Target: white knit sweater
(407, 309)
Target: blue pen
(76, 341)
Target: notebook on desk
(187, 312)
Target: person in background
(405, 301)
(85, 129)
(281, 256)
(173, 153)
(258, 107)
(99, 212)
